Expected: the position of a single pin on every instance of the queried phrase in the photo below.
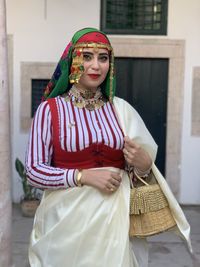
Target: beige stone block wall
(29, 71)
(196, 102)
(5, 155)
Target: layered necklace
(85, 98)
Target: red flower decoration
(78, 53)
(72, 69)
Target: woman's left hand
(136, 156)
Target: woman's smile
(94, 76)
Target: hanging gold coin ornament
(77, 67)
(90, 106)
(85, 99)
(87, 94)
(67, 98)
(78, 104)
(99, 104)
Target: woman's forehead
(95, 50)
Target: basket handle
(139, 178)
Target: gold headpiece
(77, 67)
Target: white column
(5, 161)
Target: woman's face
(96, 66)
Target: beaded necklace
(85, 99)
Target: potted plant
(30, 199)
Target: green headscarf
(59, 82)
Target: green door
(143, 82)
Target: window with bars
(37, 86)
(147, 17)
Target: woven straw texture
(149, 211)
(144, 199)
(151, 223)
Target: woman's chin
(92, 85)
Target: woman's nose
(95, 63)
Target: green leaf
(20, 168)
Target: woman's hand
(136, 156)
(104, 180)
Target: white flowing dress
(82, 227)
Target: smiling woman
(83, 143)
(96, 66)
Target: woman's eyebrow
(91, 53)
(87, 52)
(103, 54)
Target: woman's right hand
(104, 180)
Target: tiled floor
(166, 250)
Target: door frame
(174, 50)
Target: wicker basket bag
(149, 210)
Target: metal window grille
(134, 16)
(38, 86)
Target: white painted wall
(37, 38)
(184, 21)
(41, 40)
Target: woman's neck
(85, 99)
(87, 93)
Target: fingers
(116, 177)
(113, 183)
(131, 148)
(110, 189)
(132, 151)
(105, 180)
(129, 153)
(135, 155)
(129, 143)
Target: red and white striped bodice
(78, 128)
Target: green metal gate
(143, 82)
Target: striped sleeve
(39, 171)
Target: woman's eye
(87, 57)
(103, 58)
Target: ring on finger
(115, 182)
(112, 188)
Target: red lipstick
(94, 76)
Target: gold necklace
(85, 99)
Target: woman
(82, 141)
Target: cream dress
(82, 227)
